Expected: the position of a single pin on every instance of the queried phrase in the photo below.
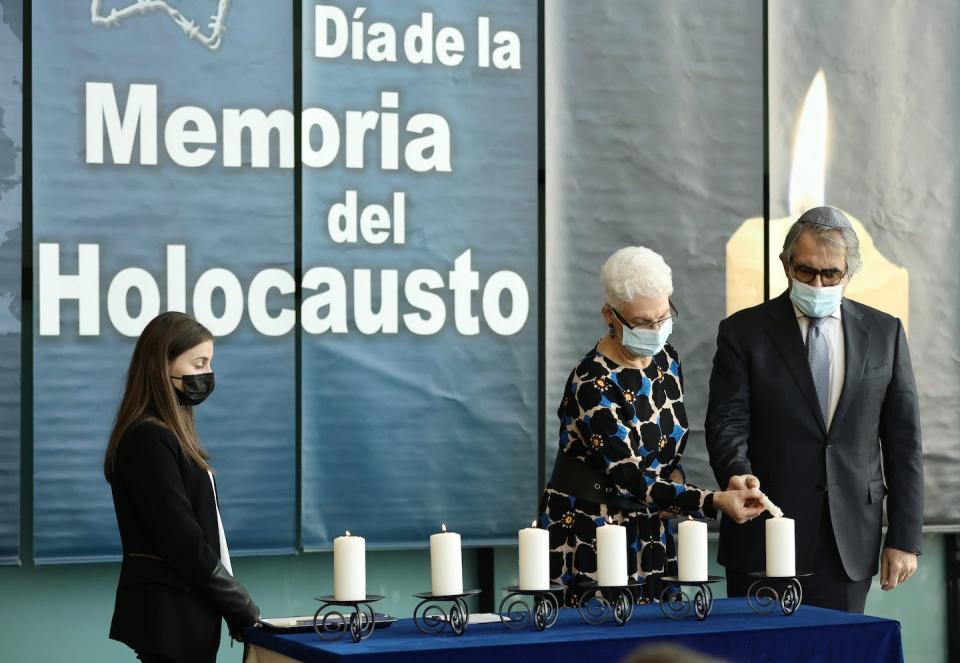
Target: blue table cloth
(732, 632)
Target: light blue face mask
(647, 342)
(816, 302)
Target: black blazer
(763, 419)
(166, 512)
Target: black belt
(574, 477)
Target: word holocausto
(219, 301)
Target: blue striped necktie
(818, 354)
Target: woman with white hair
(623, 428)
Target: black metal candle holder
(676, 603)
(431, 616)
(361, 622)
(767, 592)
(516, 613)
(598, 602)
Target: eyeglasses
(652, 325)
(828, 277)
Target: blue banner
(11, 238)
(163, 180)
(419, 357)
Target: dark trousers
(829, 586)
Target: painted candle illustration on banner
(880, 283)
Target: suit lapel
(856, 337)
(785, 332)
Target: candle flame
(807, 172)
(443, 527)
(608, 520)
(533, 524)
(348, 533)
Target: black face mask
(195, 388)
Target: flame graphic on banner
(807, 172)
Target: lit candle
(692, 550)
(534, 558)
(611, 555)
(349, 568)
(780, 548)
(446, 567)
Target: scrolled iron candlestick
(767, 592)
(361, 621)
(676, 603)
(431, 615)
(597, 603)
(515, 613)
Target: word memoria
(253, 138)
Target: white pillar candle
(534, 558)
(446, 567)
(611, 555)
(692, 551)
(349, 568)
(781, 549)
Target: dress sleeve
(596, 430)
(149, 472)
(631, 473)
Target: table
(732, 631)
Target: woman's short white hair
(635, 271)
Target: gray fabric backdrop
(653, 130)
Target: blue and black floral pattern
(630, 423)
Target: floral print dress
(630, 423)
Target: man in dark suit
(813, 400)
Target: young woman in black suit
(175, 581)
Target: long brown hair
(150, 394)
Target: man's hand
(896, 566)
(739, 505)
(743, 482)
